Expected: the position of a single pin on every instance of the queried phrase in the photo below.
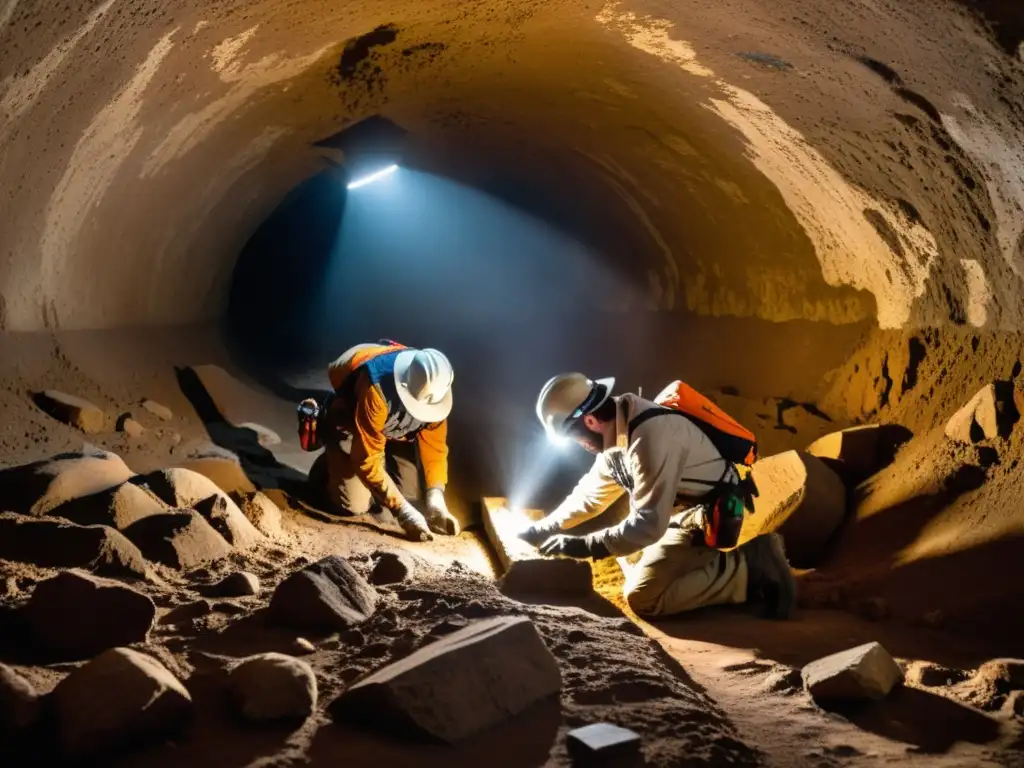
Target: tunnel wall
(784, 163)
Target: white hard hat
(424, 380)
(567, 397)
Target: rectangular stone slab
(524, 568)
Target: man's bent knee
(643, 599)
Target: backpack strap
(661, 410)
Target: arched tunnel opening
(813, 215)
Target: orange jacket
(367, 406)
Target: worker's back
(703, 461)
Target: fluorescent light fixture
(375, 176)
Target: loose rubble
(864, 672)
(77, 614)
(459, 685)
(328, 594)
(121, 698)
(273, 686)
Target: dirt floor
(714, 688)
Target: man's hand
(578, 547)
(534, 536)
(412, 523)
(439, 518)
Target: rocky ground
(167, 599)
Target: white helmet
(567, 397)
(424, 380)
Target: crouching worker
(686, 500)
(390, 403)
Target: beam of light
(375, 176)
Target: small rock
(78, 614)
(187, 612)
(302, 646)
(39, 487)
(460, 685)
(162, 412)
(128, 425)
(238, 584)
(56, 543)
(261, 511)
(120, 698)
(328, 594)
(227, 519)
(264, 435)
(73, 411)
(178, 539)
(19, 702)
(229, 608)
(273, 686)
(864, 672)
(392, 568)
(602, 741)
(873, 609)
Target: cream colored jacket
(653, 467)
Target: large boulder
(859, 452)
(261, 511)
(273, 686)
(991, 413)
(39, 487)
(802, 500)
(19, 702)
(117, 507)
(181, 539)
(76, 614)
(73, 411)
(866, 672)
(54, 543)
(122, 698)
(227, 519)
(325, 595)
(470, 680)
(178, 487)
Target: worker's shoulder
(648, 419)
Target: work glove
(578, 547)
(439, 518)
(535, 534)
(412, 523)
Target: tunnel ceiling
(785, 160)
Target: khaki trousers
(676, 575)
(334, 473)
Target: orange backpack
(736, 443)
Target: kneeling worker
(667, 465)
(384, 393)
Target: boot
(769, 577)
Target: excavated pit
(813, 213)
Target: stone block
(273, 686)
(466, 682)
(73, 411)
(860, 452)
(866, 672)
(802, 500)
(524, 569)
